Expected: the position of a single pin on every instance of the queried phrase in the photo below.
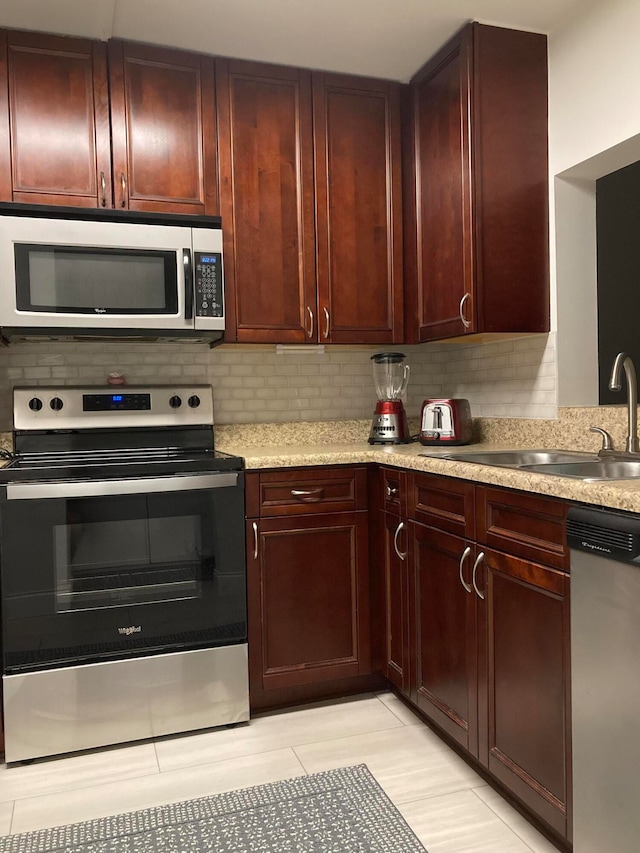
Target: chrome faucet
(624, 362)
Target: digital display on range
(115, 402)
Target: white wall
(594, 129)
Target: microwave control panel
(208, 266)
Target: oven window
(95, 280)
(127, 561)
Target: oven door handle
(106, 488)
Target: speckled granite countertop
(622, 494)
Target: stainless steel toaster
(445, 422)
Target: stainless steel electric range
(122, 566)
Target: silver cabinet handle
(123, 184)
(479, 559)
(326, 325)
(310, 332)
(401, 554)
(464, 556)
(255, 540)
(103, 189)
(466, 323)
(392, 491)
(309, 495)
(34, 490)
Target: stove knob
(175, 402)
(35, 404)
(56, 404)
(194, 401)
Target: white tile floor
(449, 806)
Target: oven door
(106, 569)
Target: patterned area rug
(340, 811)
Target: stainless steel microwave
(85, 274)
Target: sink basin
(597, 469)
(521, 458)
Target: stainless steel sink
(598, 469)
(560, 463)
(521, 458)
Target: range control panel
(208, 268)
(91, 407)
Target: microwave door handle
(188, 284)
(33, 490)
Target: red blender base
(389, 425)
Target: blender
(390, 375)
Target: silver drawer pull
(479, 560)
(309, 495)
(392, 491)
(464, 556)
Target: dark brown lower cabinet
(396, 590)
(524, 680)
(446, 640)
(308, 599)
(489, 658)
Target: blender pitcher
(390, 376)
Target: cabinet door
(266, 196)
(396, 541)
(525, 698)
(163, 128)
(443, 204)
(308, 599)
(446, 666)
(54, 120)
(358, 209)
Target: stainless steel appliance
(445, 422)
(77, 273)
(123, 569)
(605, 649)
(390, 376)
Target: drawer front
(394, 491)
(524, 525)
(442, 502)
(312, 490)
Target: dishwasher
(605, 673)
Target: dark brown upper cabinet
(163, 129)
(266, 199)
(358, 209)
(310, 200)
(476, 187)
(54, 120)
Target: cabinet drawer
(442, 502)
(524, 525)
(311, 490)
(394, 491)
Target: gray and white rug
(339, 811)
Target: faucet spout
(624, 362)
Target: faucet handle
(607, 441)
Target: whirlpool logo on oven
(132, 629)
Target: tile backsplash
(253, 384)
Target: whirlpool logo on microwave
(132, 629)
